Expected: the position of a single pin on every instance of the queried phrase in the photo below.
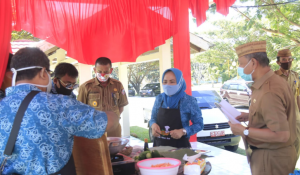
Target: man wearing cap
(104, 93)
(271, 131)
(284, 60)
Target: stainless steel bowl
(116, 144)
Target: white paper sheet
(229, 111)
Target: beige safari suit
(109, 98)
(272, 107)
(293, 80)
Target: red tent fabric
(199, 8)
(223, 3)
(119, 29)
(5, 35)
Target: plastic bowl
(116, 144)
(146, 169)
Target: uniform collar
(280, 72)
(20, 89)
(257, 84)
(110, 81)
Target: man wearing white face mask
(104, 93)
(271, 131)
(43, 141)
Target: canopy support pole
(181, 45)
(124, 121)
(164, 60)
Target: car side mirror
(245, 90)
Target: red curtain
(5, 35)
(199, 8)
(223, 6)
(119, 29)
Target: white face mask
(103, 77)
(14, 71)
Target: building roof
(19, 44)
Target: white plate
(202, 151)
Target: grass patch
(140, 133)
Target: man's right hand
(244, 117)
(112, 121)
(155, 130)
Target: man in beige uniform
(284, 60)
(104, 93)
(271, 131)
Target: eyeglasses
(286, 59)
(69, 85)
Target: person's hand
(155, 130)
(176, 133)
(244, 117)
(237, 129)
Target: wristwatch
(246, 131)
(184, 131)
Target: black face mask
(286, 66)
(62, 90)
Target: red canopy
(118, 29)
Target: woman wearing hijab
(172, 112)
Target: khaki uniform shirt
(272, 107)
(293, 80)
(109, 98)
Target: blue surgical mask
(171, 89)
(246, 77)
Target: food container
(116, 144)
(146, 169)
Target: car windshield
(150, 86)
(207, 98)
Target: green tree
(281, 23)
(138, 72)
(278, 25)
(17, 35)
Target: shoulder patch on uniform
(123, 92)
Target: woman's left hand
(176, 133)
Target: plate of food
(199, 166)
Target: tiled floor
(223, 162)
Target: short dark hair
(261, 57)
(9, 61)
(103, 61)
(278, 58)
(65, 68)
(27, 57)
